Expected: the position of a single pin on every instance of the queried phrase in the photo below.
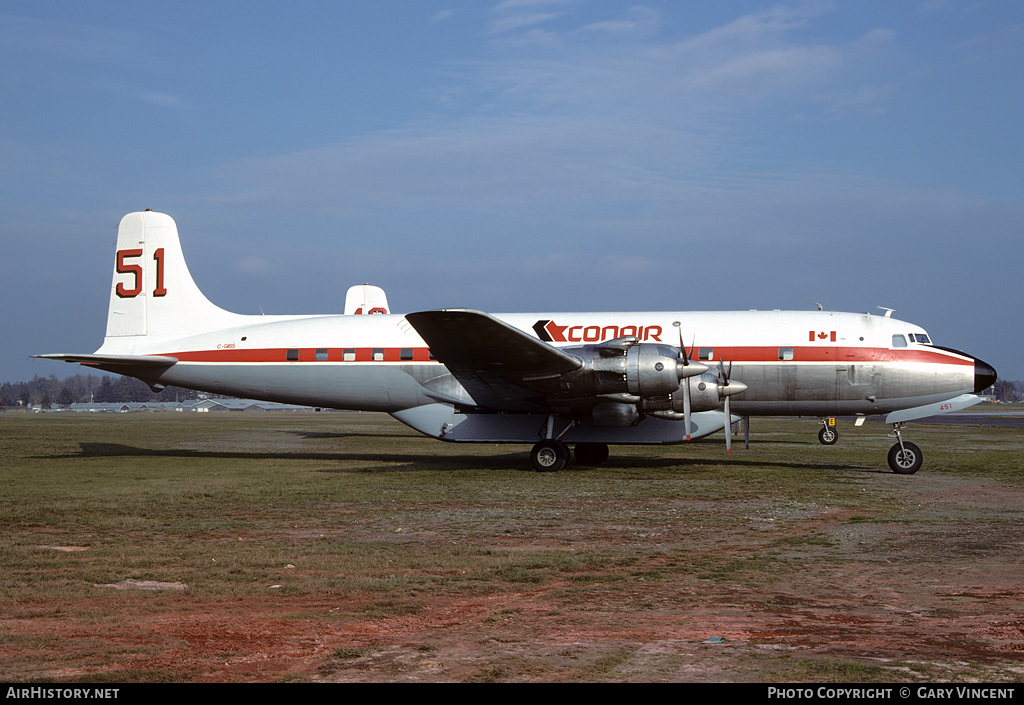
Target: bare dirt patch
(940, 602)
(648, 570)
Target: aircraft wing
(493, 361)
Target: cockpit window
(899, 341)
(920, 338)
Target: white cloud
(520, 21)
(590, 126)
(638, 20)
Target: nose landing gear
(905, 458)
(828, 435)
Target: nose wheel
(828, 435)
(905, 458)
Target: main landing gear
(905, 458)
(549, 455)
(552, 455)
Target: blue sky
(519, 155)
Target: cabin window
(321, 355)
(378, 354)
(348, 355)
(406, 354)
(785, 353)
(705, 353)
(292, 355)
(899, 341)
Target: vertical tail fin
(364, 299)
(152, 293)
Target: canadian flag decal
(821, 336)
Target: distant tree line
(1007, 391)
(50, 392)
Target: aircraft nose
(984, 376)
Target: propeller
(686, 380)
(723, 384)
(726, 389)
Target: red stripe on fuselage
(741, 354)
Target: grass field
(344, 547)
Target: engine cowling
(624, 366)
(625, 376)
(706, 394)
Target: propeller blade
(723, 381)
(686, 406)
(685, 382)
(728, 427)
(682, 350)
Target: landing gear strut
(905, 458)
(828, 435)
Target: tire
(549, 456)
(828, 436)
(905, 460)
(591, 453)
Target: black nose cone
(984, 376)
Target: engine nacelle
(622, 376)
(625, 369)
(706, 394)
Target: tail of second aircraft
(152, 293)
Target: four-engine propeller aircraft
(550, 379)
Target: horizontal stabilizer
(942, 407)
(119, 360)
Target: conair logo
(551, 332)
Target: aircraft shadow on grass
(381, 462)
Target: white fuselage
(162, 329)
(793, 362)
